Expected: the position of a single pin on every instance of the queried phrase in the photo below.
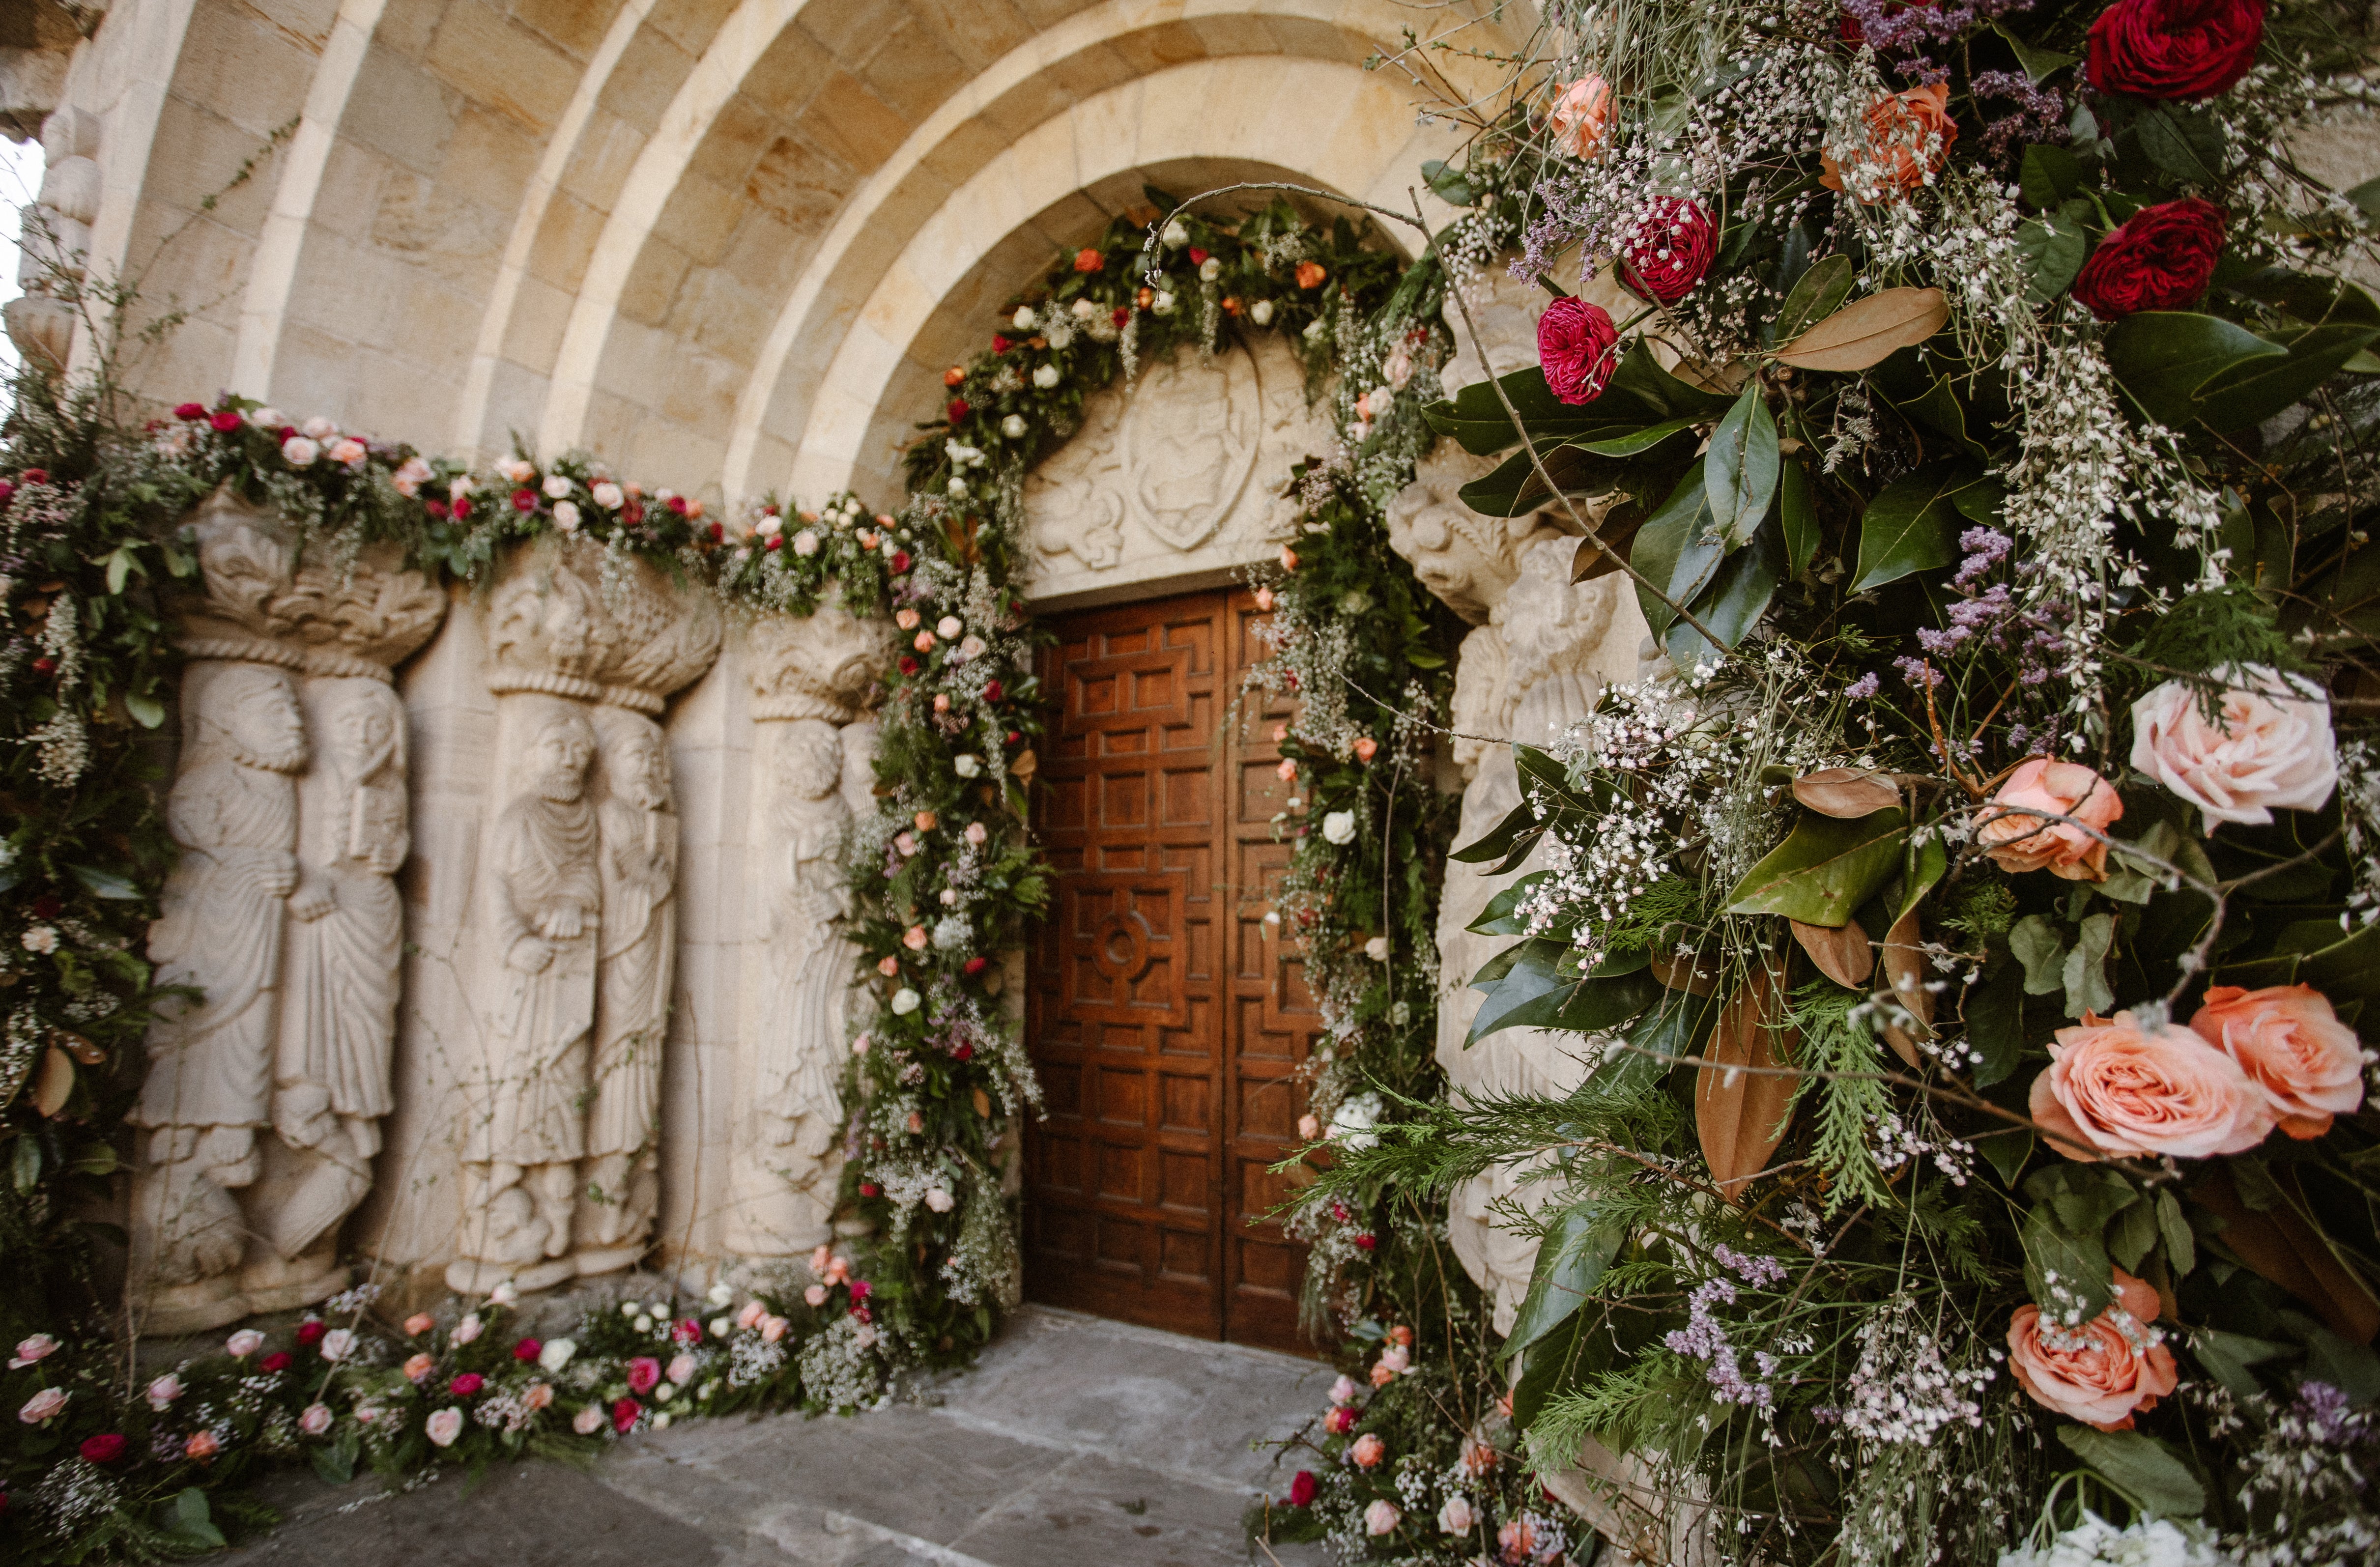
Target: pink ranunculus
(242, 1345)
(443, 1427)
(2019, 839)
(2270, 746)
(1368, 1449)
(1578, 347)
(1582, 116)
(409, 477)
(164, 1392)
(587, 1421)
(681, 1369)
(2306, 1063)
(644, 1372)
(1381, 1517)
(316, 1420)
(2116, 1088)
(2103, 1372)
(43, 1405)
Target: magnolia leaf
(1678, 550)
(1677, 971)
(1904, 968)
(1740, 468)
(2047, 175)
(2253, 393)
(56, 1083)
(2186, 147)
(2161, 357)
(2279, 1244)
(1841, 952)
(1911, 525)
(1740, 1116)
(1824, 869)
(1449, 183)
(2053, 246)
(1866, 333)
(105, 883)
(1819, 294)
(1579, 1244)
(1737, 597)
(1800, 515)
(146, 711)
(2142, 1467)
(1501, 916)
(1849, 793)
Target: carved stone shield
(1190, 443)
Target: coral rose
(417, 1366)
(2101, 1373)
(2306, 1063)
(1578, 347)
(2175, 49)
(1582, 116)
(2115, 1089)
(1908, 135)
(2270, 746)
(2159, 259)
(1667, 250)
(2018, 840)
(1367, 1451)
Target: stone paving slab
(1075, 1441)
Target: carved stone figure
(640, 849)
(783, 1189)
(1466, 559)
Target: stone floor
(1075, 1441)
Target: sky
(21, 180)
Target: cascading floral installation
(1969, 938)
(944, 878)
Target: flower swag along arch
(945, 875)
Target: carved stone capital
(566, 621)
(822, 666)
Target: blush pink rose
(1368, 1450)
(1381, 1517)
(1582, 116)
(644, 1372)
(2117, 1089)
(2020, 841)
(2306, 1063)
(2270, 745)
(2102, 1373)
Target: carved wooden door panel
(1152, 1014)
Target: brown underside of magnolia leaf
(1846, 792)
(1677, 972)
(1740, 1117)
(1904, 968)
(1842, 952)
(2283, 1247)
(56, 1085)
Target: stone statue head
(636, 766)
(809, 760)
(559, 754)
(367, 732)
(250, 710)
(1466, 559)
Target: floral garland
(944, 879)
(1970, 936)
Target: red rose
(974, 965)
(48, 906)
(776, 542)
(998, 344)
(909, 664)
(1366, 1241)
(36, 476)
(868, 1188)
(277, 1361)
(185, 410)
(1668, 251)
(45, 666)
(2175, 49)
(1016, 736)
(901, 562)
(1119, 315)
(285, 433)
(466, 1384)
(965, 1051)
(1578, 349)
(861, 1288)
(462, 506)
(958, 409)
(678, 504)
(718, 532)
(528, 1349)
(108, 1447)
(992, 691)
(1301, 1488)
(2159, 259)
(624, 1413)
(435, 508)
(310, 1330)
(1197, 257)
(225, 421)
(524, 500)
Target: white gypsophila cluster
(63, 744)
(753, 1360)
(984, 1267)
(74, 1494)
(2359, 806)
(2153, 1542)
(1903, 1389)
(840, 1368)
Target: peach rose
(2270, 746)
(2018, 841)
(417, 1366)
(2101, 1373)
(1908, 136)
(2306, 1063)
(2115, 1089)
(1582, 116)
(1368, 1450)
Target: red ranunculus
(188, 410)
(311, 1332)
(676, 503)
(1578, 349)
(1301, 1488)
(1089, 259)
(468, 1383)
(36, 476)
(1197, 257)
(8, 492)
(776, 542)
(687, 1331)
(109, 1447)
(1366, 1241)
(963, 1051)
(999, 345)
(993, 691)
(528, 1349)
(1668, 251)
(624, 1413)
(1119, 315)
(958, 409)
(901, 562)
(462, 506)
(2159, 259)
(225, 421)
(2176, 48)
(974, 965)
(434, 507)
(278, 1360)
(524, 500)
(868, 1188)
(718, 532)
(909, 664)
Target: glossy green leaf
(1579, 1244)
(1995, 1014)
(105, 883)
(1449, 183)
(2133, 1233)
(2186, 147)
(2047, 177)
(1520, 822)
(1819, 294)
(2067, 1269)
(1532, 975)
(146, 711)
(2053, 246)
(1740, 467)
(2252, 392)
(1501, 918)
(1824, 869)
(2142, 1467)
(2228, 1356)
(1676, 549)
(1635, 443)
(1799, 516)
(2039, 64)
(1911, 525)
(2160, 357)
(1541, 989)
(1737, 597)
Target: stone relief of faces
(638, 769)
(367, 736)
(256, 709)
(811, 762)
(559, 755)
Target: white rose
(662, 1417)
(1457, 1516)
(1351, 1126)
(556, 1354)
(806, 543)
(949, 627)
(300, 450)
(1013, 426)
(904, 1001)
(957, 488)
(1376, 949)
(1174, 234)
(1085, 309)
(1060, 335)
(1163, 303)
(971, 647)
(443, 1427)
(505, 1294)
(556, 487)
(39, 938)
(458, 486)
(242, 1345)
(719, 1294)
(1338, 827)
(566, 515)
(1381, 1517)
(1046, 377)
(267, 418)
(967, 766)
(770, 524)
(318, 426)
(1023, 320)
(1397, 369)
(2271, 745)
(939, 1200)
(1210, 269)
(1261, 312)
(1314, 330)
(609, 495)
(338, 1344)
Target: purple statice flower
(1864, 687)
(1985, 548)
(1764, 1273)
(2040, 110)
(1918, 672)
(2326, 1412)
(1704, 1338)
(1893, 29)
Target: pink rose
(1381, 1517)
(815, 1295)
(587, 1421)
(2115, 1089)
(2306, 1063)
(2270, 746)
(680, 1371)
(242, 1345)
(164, 1390)
(2018, 840)
(1582, 116)
(1517, 1540)
(43, 1405)
(749, 1316)
(772, 1328)
(2101, 1373)
(443, 1427)
(1344, 1391)
(316, 1420)
(1368, 1449)
(643, 1373)
(468, 1329)
(536, 1395)
(300, 450)
(41, 1346)
(347, 450)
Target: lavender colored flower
(1864, 687)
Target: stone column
(813, 682)
(263, 1097)
(570, 945)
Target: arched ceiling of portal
(644, 225)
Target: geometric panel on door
(1123, 946)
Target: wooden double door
(1165, 1026)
